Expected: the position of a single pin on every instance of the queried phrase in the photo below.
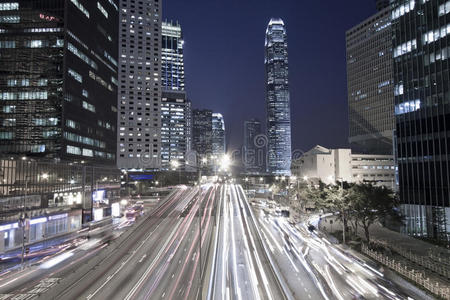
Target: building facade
(277, 98)
(254, 151)
(175, 108)
(421, 55)
(59, 79)
(172, 66)
(333, 165)
(218, 135)
(174, 121)
(202, 131)
(370, 85)
(139, 102)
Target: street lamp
(176, 165)
(44, 176)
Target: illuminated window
(9, 6)
(76, 76)
(102, 9)
(80, 7)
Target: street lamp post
(22, 222)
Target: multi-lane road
(203, 242)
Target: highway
(242, 270)
(246, 253)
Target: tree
(371, 203)
(336, 199)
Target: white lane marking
(143, 257)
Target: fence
(414, 275)
(437, 262)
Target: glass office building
(58, 81)
(421, 52)
(254, 147)
(218, 135)
(202, 131)
(370, 85)
(172, 66)
(277, 99)
(174, 121)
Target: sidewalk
(377, 232)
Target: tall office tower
(422, 108)
(381, 4)
(254, 149)
(277, 98)
(172, 65)
(59, 79)
(202, 131)
(218, 135)
(370, 85)
(139, 141)
(174, 110)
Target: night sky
(224, 62)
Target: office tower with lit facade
(254, 147)
(370, 85)
(277, 99)
(202, 132)
(218, 135)
(421, 52)
(139, 101)
(175, 108)
(172, 65)
(59, 80)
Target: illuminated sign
(48, 18)
(141, 177)
(57, 217)
(115, 209)
(38, 220)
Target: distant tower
(218, 135)
(254, 162)
(277, 99)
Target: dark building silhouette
(58, 79)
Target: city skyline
(237, 45)
(151, 159)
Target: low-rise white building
(331, 165)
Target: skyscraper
(175, 108)
(370, 85)
(218, 135)
(139, 141)
(174, 122)
(254, 151)
(172, 66)
(202, 131)
(422, 110)
(59, 79)
(277, 99)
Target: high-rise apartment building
(218, 135)
(172, 66)
(59, 79)
(421, 52)
(202, 131)
(254, 147)
(139, 122)
(370, 85)
(277, 98)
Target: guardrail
(415, 275)
(434, 261)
